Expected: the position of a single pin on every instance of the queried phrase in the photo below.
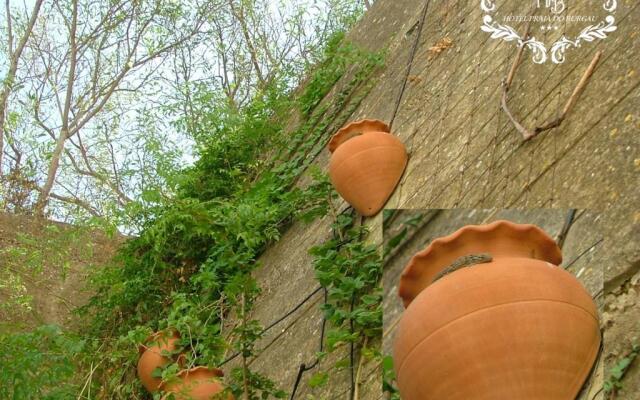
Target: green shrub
(39, 364)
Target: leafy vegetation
(23, 267)
(39, 364)
(332, 65)
(399, 237)
(201, 230)
(350, 270)
(388, 379)
(618, 371)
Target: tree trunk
(64, 131)
(3, 107)
(51, 174)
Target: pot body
(198, 383)
(151, 357)
(514, 328)
(365, 169)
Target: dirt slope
(55, 279)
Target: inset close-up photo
(484, 304)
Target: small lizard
(464, 261)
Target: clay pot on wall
(515, 327)
(199, 383)
(153, 355)
(366, 164)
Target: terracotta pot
(366, 164)
(152, 355)
(516, 327)
(199, 383)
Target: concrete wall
(464, 153)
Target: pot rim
(426, 264)
(170, 332)
(353, 129)
(216, 371)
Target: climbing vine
(349, 269)
(190, 269)
(388, 379)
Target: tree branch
(64, 131)
(13, 58)
(577, 91)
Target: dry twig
(506, 85)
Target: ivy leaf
(318, 379)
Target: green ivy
(350, 270)
(617, 372)
(388, 379)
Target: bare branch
(245, 32)
(77, 201)
(9, 30)
(14, 58)
(64, 131)
(575, 96)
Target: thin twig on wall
(506, 85)
(568, 222)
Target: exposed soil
(57, 279)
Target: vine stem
(334, 215)
(193, 350)
(87, 383)
(245, 380)
(506, 85)
(356, 392)
(568, 222)
(577, 91)
(351, 351)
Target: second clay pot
(154, 354)
(199, 383)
